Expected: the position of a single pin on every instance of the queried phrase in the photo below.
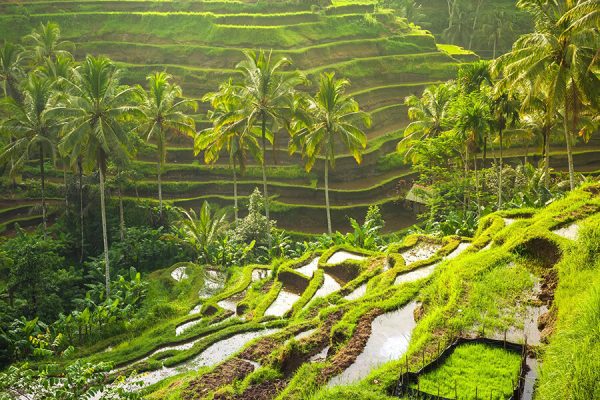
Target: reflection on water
(390, 336)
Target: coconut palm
(11, 69)
(268, 95)
(429, 115)
(558, 59)
(34, 130)
(472, 119)
(45, 43)
(228, 131)
(329, 117)
(94, 132)
(162, 110)
(505, 110)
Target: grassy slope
(478, 292)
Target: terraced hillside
(346, 321)
(200, 43)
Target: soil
(293, 282)
(347, 355)
(225, 374)
(312, 345)
(260, 350)
(548, 286)
(542, 250)
(419, 312)
(261, 391)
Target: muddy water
(310, 268)
(179, 274)
(530, 378)
(231, 302)
(456, 252)
(304, 334)
(282, 304)
(357, 293)
(420, 252)
(415, 275)
(213, 355)
(389, 340)
(570, 232)
(214, 281)
(329, 286)
(258, 274)
(320, 356)
(187, 325)
(341, 256)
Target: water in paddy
(415, 275)
(186, 325)
(357, 293)
(310, 268)
(341, 256)
(420, 252)
(213, 282)
(282, 304)
(304, 334)
(329, 286)
(258, 274)
(179, 274)
(570, 232)
(390, 336)
(213, 355)
(459, 249)
(231, 302)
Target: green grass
(488, 370)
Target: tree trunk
(121, 215)
(235, 193)
(495, 42)
(476, 184)
(547, 158)
(327, 193)
(43, 177)
(500, 169)
(104, 231)
(474, 23)
(569, 150)
(66, 191)
(264, 176)
(158, 173)
(526, 151)
(80, 170)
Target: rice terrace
(300, 199)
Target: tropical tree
(228, 131)
(11, 69)
(268, 94)
(329, 117)
(505, 113)
(429, 115)
(162, 110)
(497, 25)
(557, 58)
(46, 44)
(201, 231)
(94, 132)
(472, 119)
(33, 128)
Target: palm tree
(228, 131)
(163, 110)
(11, 71)
(94, 132)
(201, 231)
(429, 115)
(559, 59)
(472, 119)
(498, 24)
(46, 44)
(505, 110)
(268, 95)
(330, 116)
(33, 129)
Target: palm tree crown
(328, 117)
